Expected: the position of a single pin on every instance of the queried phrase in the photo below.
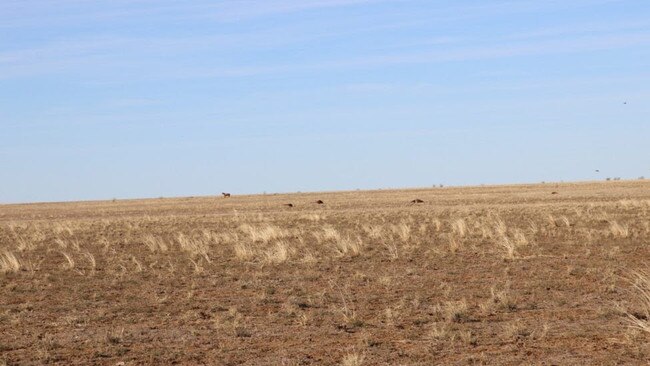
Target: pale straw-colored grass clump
(8, 262)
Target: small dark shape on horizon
(597, 171)
(288, 204)
(225, 195)
(320, 202)
(417, 200)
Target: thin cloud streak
(581, 29)
(21, 13)
(225, 11)
(247, 9)
(585, 44)
(54, 57)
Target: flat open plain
(502, 275)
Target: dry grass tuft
(312, 217)
(500, 228)
(348, 247)
(436, 224)
(454, 311)
(562, 221)
(513, 331)
(327, 233)
(279, 253)
(8, 262)
(155, 244)
(641, 284)
(195, 246)
(393, 250)
(459, 227)
(353, 359)
(618, 231)
(454, 244)
(244, 251)
(373, 231)
(500, 299)
(509, 247)
(438, 331)
(264, 233)
(69, 264)
(402, 230)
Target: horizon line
(412, 188)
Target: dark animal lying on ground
(288, 204)
(417, 200)
(554, 192)
(319, 202)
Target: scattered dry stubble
(194, 272)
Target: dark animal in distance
(417, 200)
(225, 195)
(553, 192)
(319, 202)
(288, 204)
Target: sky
(103, 99)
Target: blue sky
(147, 98)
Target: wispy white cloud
(140, 52)
(575, 29)
(237, 10)
(68, 57)
(479, 53)
(557, 84)
(47, 13)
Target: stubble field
(551, 274)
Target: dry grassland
(482, 275)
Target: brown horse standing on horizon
(225, 195)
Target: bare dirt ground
(501, 275)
